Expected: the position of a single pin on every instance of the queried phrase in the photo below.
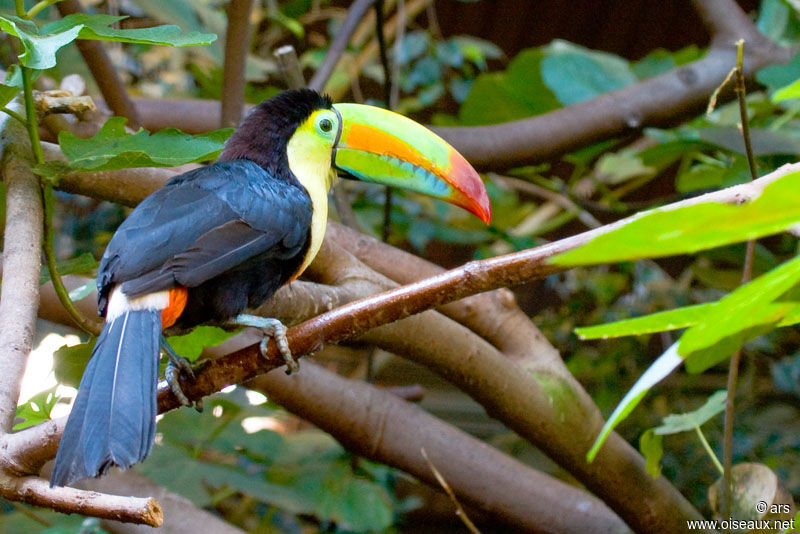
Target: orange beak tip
(468, 182)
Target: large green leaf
(506, 96)
(576, 74)
(665, 232)
(70, 361)
(41, 44)
(113, 148)
(749, 306)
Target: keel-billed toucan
(223, 238)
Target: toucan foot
(271, 328)
(175, 365)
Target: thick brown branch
(21, 265)
(387, 429)
(237, 45)
(103, 71)
(661, 101)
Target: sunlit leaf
(192, 344)
(37, 409)
(648, 324)
(69, 362)
(663, 366)
(665, 232)
(675, 423)
(788, 92)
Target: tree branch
(661, 101)
(337, 47)
(37, 491)
(103, 71)
(21, 265)
(237, 45)
(181, 516)
(386, 429)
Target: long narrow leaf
(666, 232)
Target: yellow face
(309, 154)
(309, 150)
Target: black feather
(113, 419)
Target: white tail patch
(119, 303)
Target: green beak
(376, 145)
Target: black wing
(202, 224)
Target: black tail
(113, 420)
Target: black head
(263, 134)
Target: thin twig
(103, 71)
(442, 482)
(237, 44)
(48, 201)
(289, 65)
(387, 99)
(356, 12)
(709, 450)
(747, 274)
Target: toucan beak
(377, 145)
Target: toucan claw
(271, 328)
(175, 365)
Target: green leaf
(777, 76)
(764, 142)
(663, 366)
(675, 423)
(751, 305)
(660, 61)
(37, 409)
(576, 74)
(41, 44)
(113, 148)
(7, 94)
(38, 48)
(506, 96)
(617, 167)
(98, 27)
(648, 324)
(69, 362)
(85, 263)
(82, 291)
(788, 92)
(665, 232)
(651, 445)
(192, 344)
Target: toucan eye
(326, 125)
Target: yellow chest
(312, 168)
